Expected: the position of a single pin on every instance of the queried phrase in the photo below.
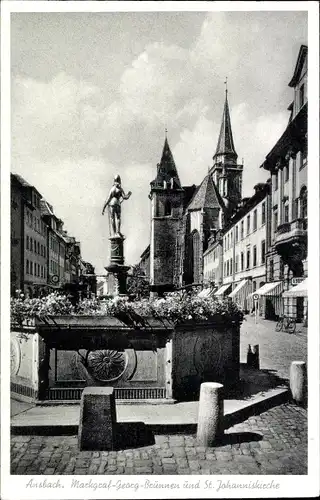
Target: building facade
(249, 249)
(43, 256)
(287, 162)
(244, 249)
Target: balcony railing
(284, 228)
(294, 229)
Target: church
(185, 219)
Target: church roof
(206, 196)
(167, 168)
(225, 144)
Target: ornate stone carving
(107, 365)
(15, 356)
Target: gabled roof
(46, 208)
(24, 183)
(167, 169)
(299, 65)
(206, 196)
(225, 144)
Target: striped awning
(222, 289)
(272, 289)
(300, 290)
(239, 287)
(207, 292)
(241, 292)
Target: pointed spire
(225, 147)
(167, 171)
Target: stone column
(116, 266)
(210, 415)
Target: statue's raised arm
(114, 200)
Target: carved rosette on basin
(107, 365)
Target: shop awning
(206, 292)
(272, 289)
(240, 287)
(300, 290)
(222, 289)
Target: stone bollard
(210, 414)
(253, 356)
(97, 426)
(298, 381)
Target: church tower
(226, 172)
(166, 197)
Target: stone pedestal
(116, 266)
(97, 426)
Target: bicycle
(287, 324)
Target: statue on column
(115, 198)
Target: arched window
(167, 208)
(303, 203)
(196, 256)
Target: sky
(92, 94)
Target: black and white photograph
(159, 298)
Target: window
(38, 247)
(248, 224)
(295, 214)
(254, 286)
(237, 233)
(263, 251)
(271, 270)
(231, 265)
(242, 229)
(27, 266)
(286, 173)
(248, 258)
(275, 220)
(227, 268)
(255, 219)
(276, 181)
(263, 213)
(286, 213)
(167, 208)
(302, 159)
(242, 261)
(254, 256)
(236, 263)
(31, 267)
(303, 203)
(281, 270)
(31, 244)
(27, 243)
(301, 96)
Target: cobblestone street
(277, 349)
(274, 442)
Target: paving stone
(194, 464)
(157, 469)
(183, 472)
(178, 451)
(166, 453)
(168, 460)
(143, 470)
(143, 463)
